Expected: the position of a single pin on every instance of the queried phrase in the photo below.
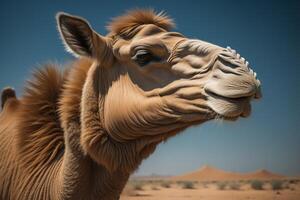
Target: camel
(79, 133)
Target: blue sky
(265, 32)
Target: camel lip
(244, 113)
(230, 90)
(226, 98)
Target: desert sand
(212, 193)
(209, 183)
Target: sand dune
(262, 175)
(209, 173)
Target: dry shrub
(234, 186)
(166, 184)
(277, 184)
(221, 185)
(137, 185)
(293, 181)
(179, 182)
(257, 185)
(188, 185)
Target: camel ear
(77, 35)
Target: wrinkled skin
(189, 81)
(157, 82)
(80, 135)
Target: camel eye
(144, 57)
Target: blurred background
(266, 33)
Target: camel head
(152, 82)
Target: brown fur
(40, 136)
(80, 133)
(50, 97)
(125, 25)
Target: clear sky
(267, 33)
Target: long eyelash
(145, 53)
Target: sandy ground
(210, 191)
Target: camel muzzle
(233, 78)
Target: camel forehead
(153, 35)
(148, 30)
(154, 30)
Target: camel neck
(80, 177)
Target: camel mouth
(229, 108)
(227, 98)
